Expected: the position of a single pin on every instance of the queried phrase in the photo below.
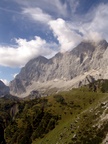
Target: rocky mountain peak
(89, 47)
(84, 47)
(39, 59)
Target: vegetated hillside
(8, 110)
(72, 117)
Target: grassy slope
(79, 112)
(78, 103)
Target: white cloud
(92, 25)
(26, 50)
(92, 35)
(100, 21)
(96, 28)
(37, 14)
(6, 82)
(69, 34)
(57, 7)
(73, 5)
(67, 37)
(61, 8)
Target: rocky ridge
(85, 63)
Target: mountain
(3, 89)
(85, 63)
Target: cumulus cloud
(25, 50)
(70, 33)
(92, 25)
(37, 14)
(66, 37)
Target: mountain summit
(63, 71)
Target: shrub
(60, 99)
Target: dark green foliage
(104, 88)
(6, 103)
(2, 140)
(30, 123)
(91, 135)
(59, 98)
(99, 86)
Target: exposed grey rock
(3, 89)
(85, 63)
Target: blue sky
(29, 28)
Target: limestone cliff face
(88, 58)
(3, 89)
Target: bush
(60, 99)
